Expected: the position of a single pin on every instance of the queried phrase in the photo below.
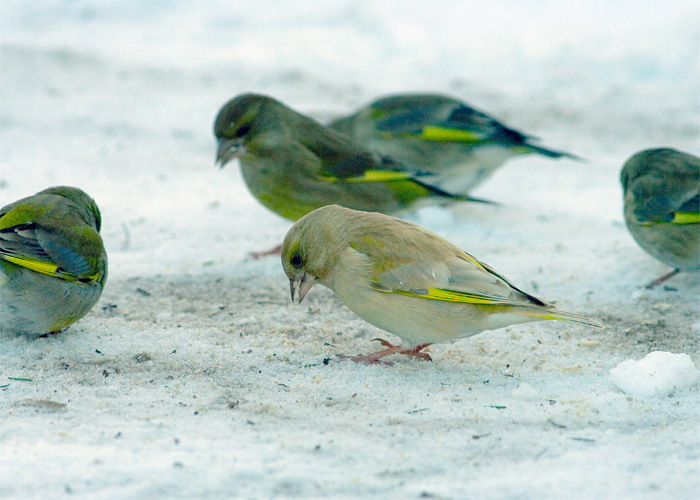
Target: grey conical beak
(299, 287)
(228, 150)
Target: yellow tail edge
(566, 316)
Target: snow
(658, 374)
(195, 376)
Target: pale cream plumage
(405, 279)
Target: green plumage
(53, 264)
(439, 134)
(661, 189)
(405, 279)
(293, 165)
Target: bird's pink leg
(390, 349)
(416, 351)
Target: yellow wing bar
(50, 269)
(446, 296)
(373, 176)
(449, 134)
(686, 218)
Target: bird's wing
(365, 167)
(435, 118)
(341, 159)
(458, 278)
(681, 207)
(663, 187)
(688, 212)
(31, 244)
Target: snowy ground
(195, 377)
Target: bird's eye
(242, 131)
(296, 260)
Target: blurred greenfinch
(405, 279)
(53, 264)
(441, 135)
(294, 165)
(661, 190)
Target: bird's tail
(556, 314)
(550, 153)
(456, 197)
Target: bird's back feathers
(54, 234)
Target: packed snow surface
(195, 377)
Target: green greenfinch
(442, 135)
(661, 189)
(294, 165)
(405, 279)
(53, 264)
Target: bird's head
(234, 125)
(310, 251)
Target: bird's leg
(266, 253)
(374, 357)
(390, 349)
(416, 351)
(663, 278)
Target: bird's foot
(390, 349)
(416, 351)
(50, 334)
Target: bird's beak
(300, 287)
(228, 150)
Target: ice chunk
(658, 374)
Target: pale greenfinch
(405, 279)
